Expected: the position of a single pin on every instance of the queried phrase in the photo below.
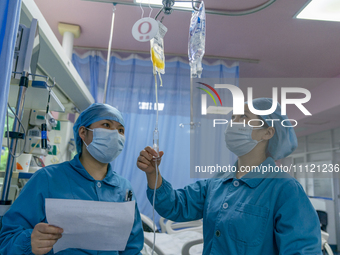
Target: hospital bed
(323, 218)
(326, 249)
(184, 238)
(187, 238)
(170, 227)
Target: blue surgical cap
(284, 141)
(94, 113)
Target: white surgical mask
(238, 139)
(106, 144)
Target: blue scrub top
(68, 180)
(251, 215)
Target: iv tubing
(156, 147)
(191, 100)
(156, 127)
(153, 209)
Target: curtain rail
(247, 60)
(207, 11)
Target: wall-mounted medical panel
(36, 98)
(54, 62)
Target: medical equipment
(14, 135)
(27, 49)
(196, 49)
(25, 65)
(167, 6)
(30, 56)
(171, 227)
(158, 62)
(44, 125)
(156, 148)
(178, 242)
(158, 59)
(196, 45)
(36, 164)
(43, 136)
(157, 51)
(33, 140)
(61, 138)
(36, 141)
(323, 218)
(39, 117)
(324, 244)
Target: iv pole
(4, 202)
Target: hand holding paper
(91, 225)
(43, 238)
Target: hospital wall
(320, 149)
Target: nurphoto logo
(238, 104)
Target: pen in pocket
(128, 195)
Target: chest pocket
(248, 224)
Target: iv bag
(196, 47)
(157, 50)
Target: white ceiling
(284, 46)
(303, 52)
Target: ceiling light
(328, 10)
(150, 106)
(159, 2)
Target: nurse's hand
(146, 160)
(43, 237)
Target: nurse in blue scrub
(246, 212)
(99, 136)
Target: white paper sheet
(91, 225)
